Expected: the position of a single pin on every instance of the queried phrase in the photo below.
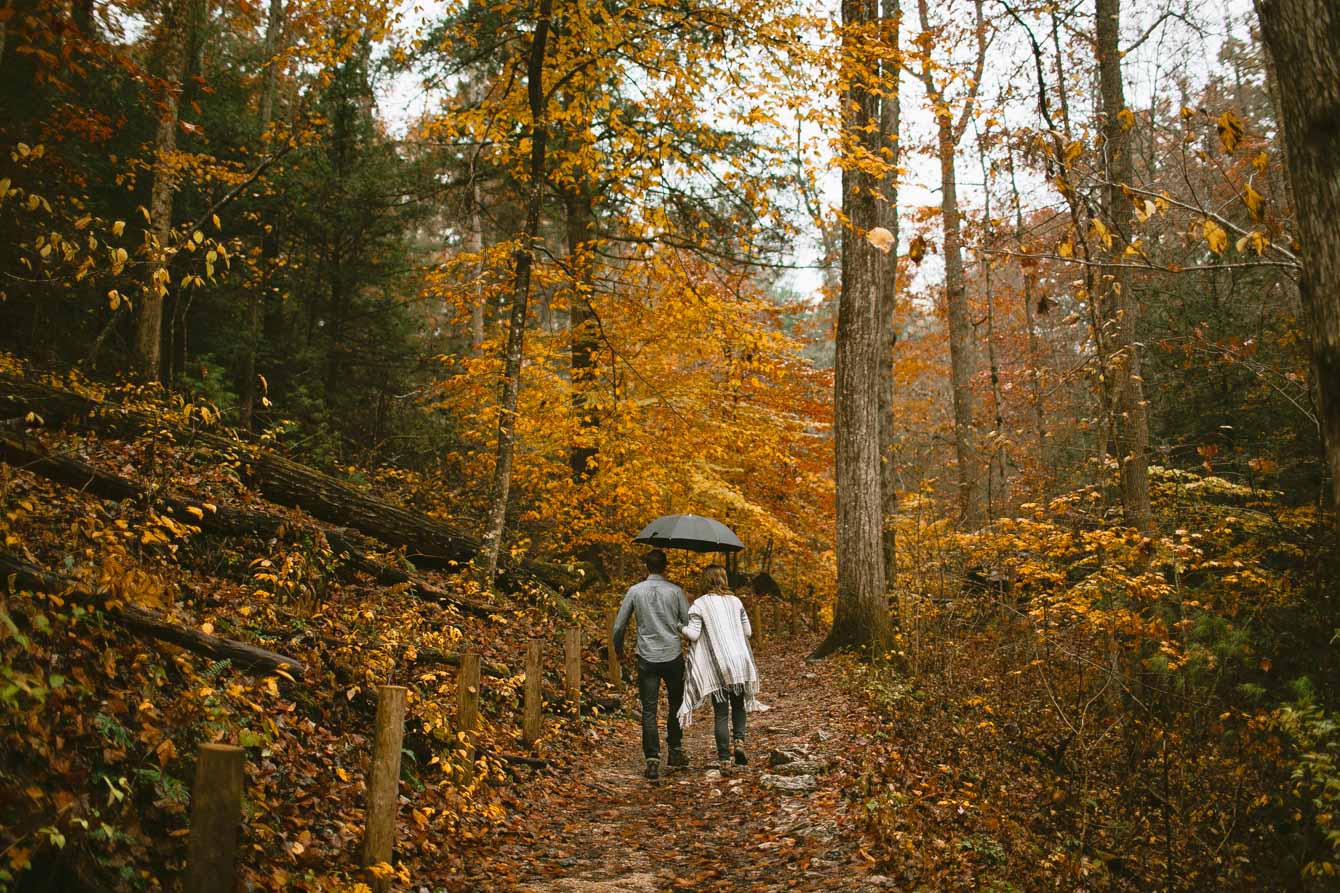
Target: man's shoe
(724, 767)
(741, 758)
(653, 769)
(679, 759)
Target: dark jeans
(649, 678)
(734, 711)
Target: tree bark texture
(1119, 311)
(890, 115)
(860, 616)
(581, 234)
(174, 37)
(1303, 37)
(516, 325)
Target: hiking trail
(601, 827)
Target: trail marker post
(615, 669)
(572, 666)
(384, 780)
(467, 708)
(216, 814)
(532, 717)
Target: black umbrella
(691, 532)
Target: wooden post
(572, 668)
(216, 814)
(615, 669)
(530, 726)
(467, 707)
(384, 779)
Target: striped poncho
(719, 661)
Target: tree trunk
(1030, 323)
(142, 622)
(174, 35)
(475, 245)
(860, 617)
(516, 327)
(962, 351)
(1304, 35)
(1119, 309)
(582, 327)
(997, 479)
(255, 316)
(890, 114)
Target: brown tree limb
(141, 622)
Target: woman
(720, 664)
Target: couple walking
(720, 665)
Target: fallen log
(429, 541)
(142, 622)
(28, 455)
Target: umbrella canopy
(692, 532)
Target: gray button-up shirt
(662, 611)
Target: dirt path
(606, 829)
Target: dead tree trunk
(29, 456)
(142, 622)
(429, 542)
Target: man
(662, 611)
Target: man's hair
(655, 561)
(714, 579)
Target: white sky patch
(1180, 54)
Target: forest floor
(604, 828)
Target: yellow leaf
(1126, 118)
(197, 512)
(343, 775)
(1230, 131)
(1073, 151)
(1252, 199)
(1066, 249)
(1261, 162)
(1101, 231)
(1215, 237)
(118, 228)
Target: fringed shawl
(720, 662)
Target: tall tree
(274, 38)
(537, 134)
(860, 615)
(890, 119)
(962, 349)
(1118, 307)
(1304, 37)
(174, 37)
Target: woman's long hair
(713, 579)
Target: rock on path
(603, 828)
